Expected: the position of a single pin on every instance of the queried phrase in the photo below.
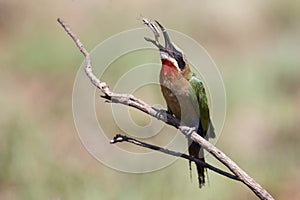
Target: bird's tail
(196, 151)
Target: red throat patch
(169, 64)
(169, 69)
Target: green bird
(184, 94)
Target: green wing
(199, 91)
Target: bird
(184, 93)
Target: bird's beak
(169, 47)
(168, 44)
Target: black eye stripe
(179, 58)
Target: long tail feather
(196, 151)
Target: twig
(123, 138)
(130, 100)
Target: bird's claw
(188, 131)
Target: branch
(130, 100)
(123, 138)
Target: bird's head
(170, 54)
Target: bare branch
(123, 138)
(130, 100)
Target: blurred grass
(255, 44)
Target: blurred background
(255, 44)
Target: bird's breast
(177, 92)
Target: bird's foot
(163, 114)
(188, 131)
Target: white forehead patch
(164, 55)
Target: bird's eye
(180, 61)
